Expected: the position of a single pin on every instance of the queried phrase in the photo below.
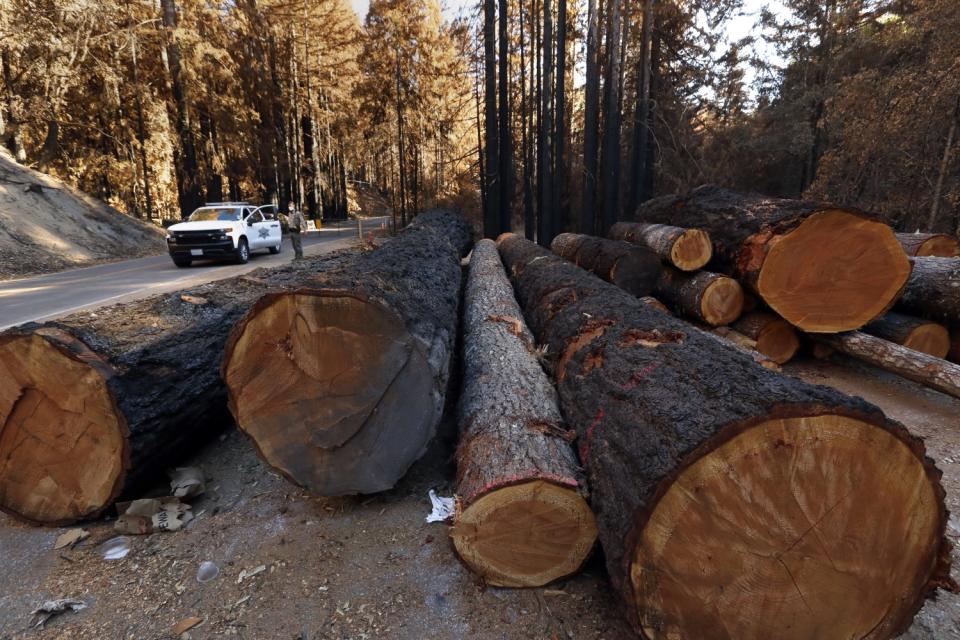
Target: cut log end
(321, 380)
(722, 301)
(525, 535)
(779, 532)
(936, 245)
(836, 271)
(930, 338)
(692, 250)
(62, 440)
(778, 341)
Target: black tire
(243, 251)
(183, 262)
(275, 250)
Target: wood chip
(186, 624)
(193, 299)
(70, 538)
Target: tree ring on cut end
(835, 272)
(63, 442)
(331, 388)
(778, 341)
(722, 301)
(796, 528)
(930, 338)
(525, 535)
(692, 250)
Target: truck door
(272, 224)
(258, 231)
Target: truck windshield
(206, 214)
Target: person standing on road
(297, 224)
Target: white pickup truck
(224, 230)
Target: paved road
(57, 294)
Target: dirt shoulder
(367, 567)
(47, 225)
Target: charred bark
(666, 415)
(341, 383)
(125, 391)
(628, 266)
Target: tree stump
(772, 245)
(729, 498)
(341, 384)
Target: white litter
(54, 607)
(443, 508)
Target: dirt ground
(367, 567)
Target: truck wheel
(243, 251)
(275, 250)
(183, 262)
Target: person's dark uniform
(297, 224)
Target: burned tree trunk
(685, 249)
(922, 368)
(913, 333)
(933, 245)
(96, 404)
(524, 521)
(341, 383)
(688, 445)
(933, 290)
(708, 297)
(769, 245)
(775, 337)
(634, 269)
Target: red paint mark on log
(638, 377)
(588, 438)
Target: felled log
(922, 368)
(523, 521)
(98, 403)
(938, 245)
(708, 297)
(775, 337)
(822, 268)
(913, 333)
(727, 496)
(685, 249)
(341, 384)
(632, 268)
(933, 290)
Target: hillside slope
(47, 225)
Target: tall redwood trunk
(491, 216)
(506, 137)
(588, 202)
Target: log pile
(697, 529)
(98, 403)
(770, 244)
(632, 268)
(523, 519)
(685, 249)
(937, 245)
(341, 383)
